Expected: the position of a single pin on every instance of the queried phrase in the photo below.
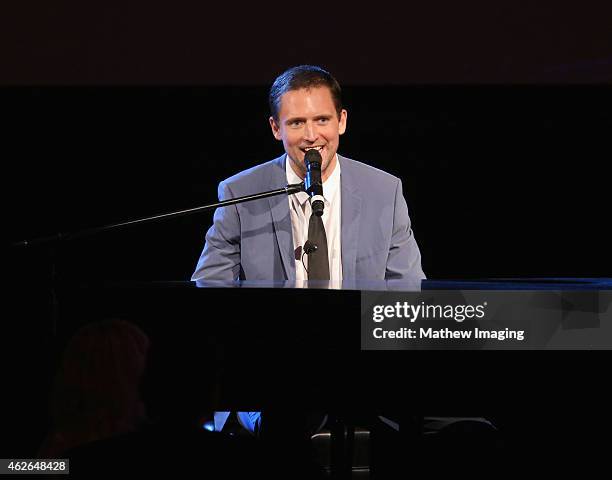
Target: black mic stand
(53, 240)
(289, 190)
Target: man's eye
(323, 121)
(295, 123)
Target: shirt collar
(330, 186)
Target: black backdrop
(500, 180)
(67, 42)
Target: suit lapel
(279, 207)
(350, 218)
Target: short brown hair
(303, 76)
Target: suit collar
(279, 207)
(349, 217)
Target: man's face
(307, 119)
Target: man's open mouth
(317, 147)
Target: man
(365, 219)
(365, 232)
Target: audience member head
(96, 390)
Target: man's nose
(310, 132)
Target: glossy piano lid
(524, 283)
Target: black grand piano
(281, 346)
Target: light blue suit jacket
(254, 240)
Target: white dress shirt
(300, 210)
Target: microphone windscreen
(311, 156)
(310, 247)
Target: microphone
(310, 247)
(312, 183)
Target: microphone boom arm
(289, 190)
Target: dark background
(239, 43)
(500, 180)
(495, 115)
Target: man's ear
(275, 129)
(342, 126)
